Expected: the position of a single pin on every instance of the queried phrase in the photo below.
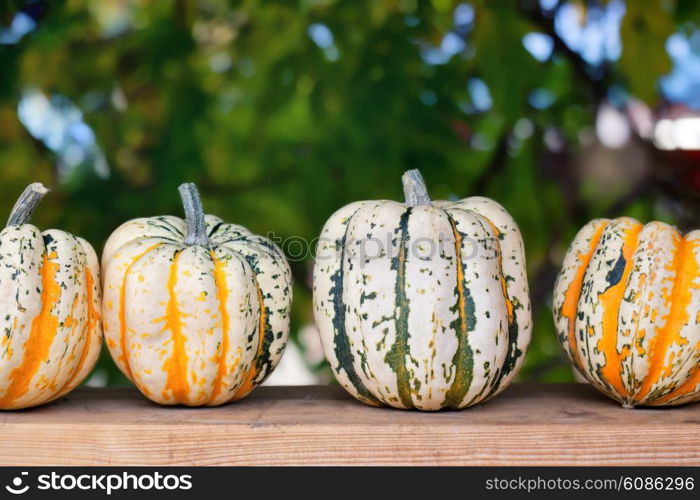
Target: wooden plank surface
(529, 424)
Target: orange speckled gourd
(627, 311)
(196, 311)
(49, 309)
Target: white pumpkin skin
(422, 323)
(49, 312)
(194, 324)
(627, 311)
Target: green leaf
(645, 28)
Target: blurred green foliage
(279, 130)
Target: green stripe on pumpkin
(399, 352)
(263, 362)
(513, 352)
(341, 343)
(463, 359)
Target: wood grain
(529, 424)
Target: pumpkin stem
(26, 203)
(414, 188)
(194, 215)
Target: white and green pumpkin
(196, 311)
(422, 304)
(49, 309)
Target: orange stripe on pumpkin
(610, 300)
(222, 296)
(678, 301)
(122, 310)
(569, 308)
(686, 387)
(41, 335)
(463, 324)
(176, 365)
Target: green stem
(26, 203)
(194, 215)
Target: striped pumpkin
(627, 311)
(196, 312)
(422, 304)
(49, 309)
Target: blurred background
(283, 111)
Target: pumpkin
(196, 311)
(422, 304)
(49, 309)
(627, 311)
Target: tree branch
(545, 22)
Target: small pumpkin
(196, 311)
(422, 304)
(49, 309)
(627, 311)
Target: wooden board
(529, 424)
